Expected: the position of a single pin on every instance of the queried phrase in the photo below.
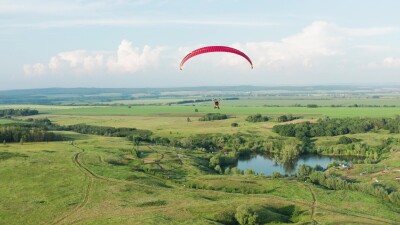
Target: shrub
(213, 116)
(257, 118)
(246, 215)
(276, 175)
(234, 124)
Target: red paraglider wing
(209, 49)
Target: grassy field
(8, 121)
(232, 110)
(304, 101)
(107, 180)
(76, 184)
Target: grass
(8, 121)
(106, 180)
(55, 188)
(189, 111)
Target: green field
(233, 110)
(74, 184)
(92, 179)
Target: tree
(234, 124)
(344, 140)
(196, 110)
(246, 215)
(218, 169)
(276, 175)
(304, 170)
(249, 172)
(22, 140)
(257, 118)
(136, 141)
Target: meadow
(232, 110)
(75, 184)
(92, 179)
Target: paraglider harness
(216, 103)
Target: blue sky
(139, 43)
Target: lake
(267, 165)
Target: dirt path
(313, 204)
(158, 162)
(87, 192)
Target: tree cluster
(23, 134)
(337, 183)
(337, 126)
(257, 118)
(18, 112)
(213, 116)
(286, 118)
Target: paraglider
(209, 49)
(216, 103)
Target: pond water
(267, 165)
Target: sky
(140, 43)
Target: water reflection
(267, 164)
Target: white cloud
(388, 62)
(315, 41)
(391, 62)
(35, 69)
(128, 59)
(306, 49)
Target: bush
(276, 175)
(234, 124)
(344, 140)
(213, 116)
(249, 172)
(257, 118)
(246, 215)
(286, 118)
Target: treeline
(213, 116)
(106, 131)
(202, 100)
(41, 130)
(26, 134)
(336, 183)
(89, 129)
(18, 112)
(337, 126)
(193, 101)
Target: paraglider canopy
(209, 49)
